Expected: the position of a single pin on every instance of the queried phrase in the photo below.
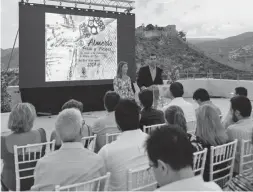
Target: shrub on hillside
(5, 96)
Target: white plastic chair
(110, 137)
(246, 156)
(199, 161)
(98, 184)
(222, 155)
(141, 179)
(148, 129)
(91, 141)
(26, 157)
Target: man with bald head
(72, 163)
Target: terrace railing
(231, 76)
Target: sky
(198, 18)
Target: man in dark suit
(150, 75)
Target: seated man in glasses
(171, 157)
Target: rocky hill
(174, 52)
(223, 49)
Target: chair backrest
(141, 179)
(90, 142)
(25, 160)
(199, 161)
(246, 156)
(110, 137)
(98, 184)
(222, 160)
(148, 129)
(101, 136)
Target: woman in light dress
(122, 82)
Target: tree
(182, 35)
(150, 27)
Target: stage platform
(47, 122)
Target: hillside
(173, 52)
(200, 40)
(5, 56)
(220, 50)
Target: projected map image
(80, 47)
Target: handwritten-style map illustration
(80, 47)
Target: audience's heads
(127, 115)
(122, 69)
(176, 90)
(111, 100)
(201, 95)
(22, 117)
(241, 91)
(68, 125)
(73, 104)
(152, 60)
(241, 107)
(146, 98)
(170, 153)
(209, 127)
(174, 115)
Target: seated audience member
(68, 105)
(171, 158)
(127, 152)
(242, 182)
(72, 163)
(107, 123)
(228, 120)
(174, 115)
(202, 97)
(149, 115)
(243, 123)
(210, 132)
(20, 123)
(176, 94)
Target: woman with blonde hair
(122, 82)
(210, 132)
(20, 123)
(174, 115)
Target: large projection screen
(70, 47)
(80, 47)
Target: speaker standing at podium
(150, 75)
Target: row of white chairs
(220, 154)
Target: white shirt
(191, 184)
(240, 130)
(153, 72)
(72, 163)
(188, 108)
(127, 152)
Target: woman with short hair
(21, 121)
(122, 82)
(72, 103)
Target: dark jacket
(145, 79)
(151, 117)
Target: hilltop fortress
(168, 31)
